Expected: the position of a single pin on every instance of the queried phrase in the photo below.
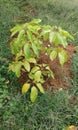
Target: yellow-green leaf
(16, 68)
(66, 34)
(19, 55)
(27, 50)
(53, 55)
(16, 29)
(37, 76)
(34, 69)
(33, 94)
(35, 21)
(45, 34)
(20, 35)
(40, 87)
(61, 39)
(52, 36)
(31, 60)
(35, 49)
(71, 127)
(25, 87)
(51, 73)
(62, 56)
(30, 35)
(26, 65)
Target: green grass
(61, 13)
(50, 111)
(74, 81)
(46, 113)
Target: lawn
(53, 110)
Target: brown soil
(62, 74)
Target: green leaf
(32, 60)
(57, 38)
(35, 49)
(40, 87)
(52, 36)
(34, 29)
(25, 87)
(20, 35)
(31, 75)
(27, 51)
(30, 36)
(19, 56)
(26, 65)
(46, 36)
(46, 27)
(51, 73)
(66, 34)
(34, 69)
(33, 94)
(16, 29)
(35, 21)
(16, 68)
(61, 40)
(45, 31)
(53, 55)
(14, 47)
(37, 76)
(62, 56)
(17, 44)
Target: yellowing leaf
(62, 56)
(71, 127)
(53, 55)
(37, 76)
(31, 60)
(25, 87)
(33, 94)
(40, 87)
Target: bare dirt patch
(62, 74)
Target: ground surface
(62, 73)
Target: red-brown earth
(62, 74)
